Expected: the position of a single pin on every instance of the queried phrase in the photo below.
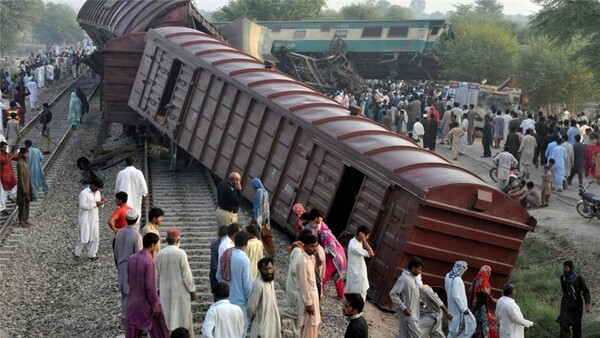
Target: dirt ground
(559, 223)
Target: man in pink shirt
(144, 312)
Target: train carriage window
(435, 30)
(398, 31)
(342, 34)
(326, 27)
(299, 35)
(165, 100)
(276, 29)
(372, 32)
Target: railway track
(59, 134)
(188, 198)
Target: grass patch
(536, 277)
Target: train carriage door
(369, 205)
(324, 173)
(345, 198)
(388, 238)
(150, 82)
(290, 182)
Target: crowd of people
(474, 312)
(564, 144)
(240, 269)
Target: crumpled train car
(118, 28)
(231, 113)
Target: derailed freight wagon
(118, 28)
(232, 113)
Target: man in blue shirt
(235, 270)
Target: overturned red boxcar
(231, 113)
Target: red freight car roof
(413, 167)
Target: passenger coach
(231, 113)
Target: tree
(330, 14)
(397, 12)
(489, 8)
(479, 51)
(270, 10)
(418, 7)
(57, 25)
(550, 75)
(366, 10)
(564, 21)
(16, 19)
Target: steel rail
(6, 226)
(34, 120)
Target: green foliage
(366, 10)
(418, 7)
(538, 288)
(270, 10)
(565, 21)
(330, 14)
(57, 25)
(550, 75)
(479, 50)
(488, 8)
(397, 12)
(17, 17)
(371, 10)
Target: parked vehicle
(589, 205)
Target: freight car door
(369, 203)
(325, 171)
(389, 239)
(297, 150)
(150, 82)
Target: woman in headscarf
(335, 256)
(463, 322)
(74, 110)
(260, 205)
(298, 210)
(481, 284)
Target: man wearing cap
(176, 284)
(89, 232)
(128, 241)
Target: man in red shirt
(118, 219)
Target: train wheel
(584, 210)
(494, 174)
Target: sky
(511, 7)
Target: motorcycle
(589, 205)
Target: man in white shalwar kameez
(509, 315)
(357, 279)
(290, 310)
(464, 126)
(405, 297)
(89, 230)
(463, 323)
(34, 96)
(131, 181)
(262, 304)
(504, 161)
(40, 73)
(176, 284)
